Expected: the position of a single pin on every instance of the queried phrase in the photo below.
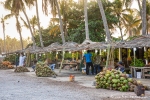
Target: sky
(10, 24)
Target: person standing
(88, 59)
(22, 59)
(97, 62)
(17, 60)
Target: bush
(138, 63)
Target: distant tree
(17, 6)
(3, 27)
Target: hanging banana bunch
(129, 56)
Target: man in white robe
(22, 59)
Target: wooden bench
(146, 72)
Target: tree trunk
(104, 21)
(120, 31)
(140, 8)
(144, 22)
(19, 30)
(86, 20)
(61, 23)
(29, 28)
(62, 34)
(40, 33)
(4, 36)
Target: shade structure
(140, 41)
(53, 47)
(85, 45)
(70, 46)
(31, 49)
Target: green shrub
(138, 63)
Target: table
(133, 70)
(69, 63)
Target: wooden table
(70, 64)
(133, 70)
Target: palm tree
(117, 10)
(3, 26)
(148, 16)
(132, 25)
(86, 20)
(40, 33)
(104, 21)
(18, 26)
(17, 6)
(54, 7)
(144, 21)
(33, 22)
(65, 6)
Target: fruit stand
(116, 80)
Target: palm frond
(25, 24)
(29, 3)
(8, 16)
(45, 6)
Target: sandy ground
(24, 86)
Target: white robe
(21, 60)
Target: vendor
(34, 65)
(120, 66)
(50, 63)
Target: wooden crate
(146, 72)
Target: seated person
(97, 67)
(120, 66)
(50, 64)
(34, 64)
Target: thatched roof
(70, 46)
(31, 49)
(141, 41)
(53, 46)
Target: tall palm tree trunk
(110, 50)
(3, 25)
(40, 33)
(140, 8)
(120, 31)
(19, 30)
(104, 21)
(29, 28)
(144, 21)
(62, 34)
(61, 23)
(86, 20)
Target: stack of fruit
(21, 69)
(6, 65)
(42, 70)
(115, 80)
(10, 66)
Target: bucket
(83, 70)
(71, 78)
(138, 74)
